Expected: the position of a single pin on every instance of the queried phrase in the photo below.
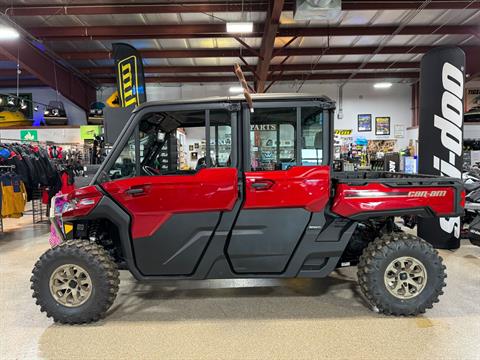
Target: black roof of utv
(328, 103)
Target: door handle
(135, 191)
(262, 185)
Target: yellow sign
(128, 83)
(67, 228)
(112, 100)
(343, 132)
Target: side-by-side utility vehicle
(208, 189)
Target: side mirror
(318, 140)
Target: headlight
(77, 203)
(69, 206)
(59, 205)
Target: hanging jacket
(8, 200)
(14, 196)
(67, 182)
(19, 197)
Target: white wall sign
(399, 131)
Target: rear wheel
(401, 274)
(75, 282)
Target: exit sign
(29, 135)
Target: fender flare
(110, 210)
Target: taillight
(81, 201)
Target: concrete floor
(294, 319)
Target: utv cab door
(176, 174)
(286, 180)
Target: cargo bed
(367, 194)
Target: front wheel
(401, 274)
(75, 282)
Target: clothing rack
(39, 172)
(38, 209)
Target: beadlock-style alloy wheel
(405, 277)
(70, 285)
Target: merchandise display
(34, 172)
(55, 114)
(14, 111)
(472, 106)
(13, 118)
(471, 218)
(186, 237)
(95, 116)
(33, 166)
(362, 154)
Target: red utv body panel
(352, 200)
(214, 189)
(305, 187)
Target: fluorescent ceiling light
(8, 33)
(382, 85)
(236, 89)
(239, 27)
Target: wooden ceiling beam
(268, 42)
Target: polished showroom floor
(243, 319)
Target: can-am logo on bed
(127, 68)
(426, 194)
(450, 124)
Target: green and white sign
(88, 132)
(29, 135)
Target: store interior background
(242, 318)
(358, 98)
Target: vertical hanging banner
(441, 133)
(130, 75)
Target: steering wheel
(150, 170)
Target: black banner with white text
(440, 135)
